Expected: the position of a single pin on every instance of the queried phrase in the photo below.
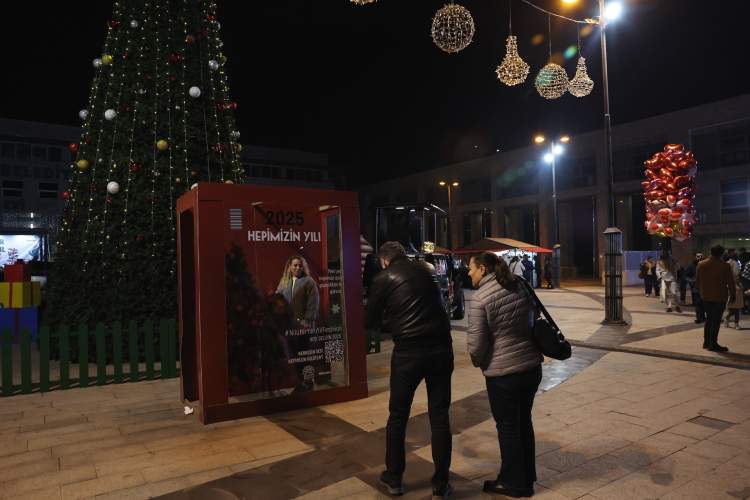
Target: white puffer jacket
(500, 337)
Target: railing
(167, 335)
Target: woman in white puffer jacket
(500, 340)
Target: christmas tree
(158, 120)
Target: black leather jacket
(411, 293)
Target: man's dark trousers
(408, 368)
(714, 312)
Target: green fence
(166, 332)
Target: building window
(8, 150)
(628, 159)
(477, 226)
(303, 174)
(47, 190)
(476, 190)
(734, 200)
(39, 153)
(721, 146)
(263, 171)
(518, 181)
(407, 197)
(23, 151)
(575, 170)
(54, 154)
(438, 196)
(13, 188)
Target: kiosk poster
(284, 300)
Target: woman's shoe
(726, 324)
(737, 326)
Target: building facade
(510, 194)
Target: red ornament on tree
(117, 249)
(72, 219)
(112, 23)
(190, 39)
(73, 146)
(139, 239)
(148, 198)
(192, 137)
(232, 104)
(174, 57)
(173, 79)
(126, 55)
(209, 17)
(109, 202)
(88, 140)
(78, 240)
(95, 190)
(149, 78)
(65, 210)
(66, 194)
(220, 106)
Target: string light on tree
(452, 28)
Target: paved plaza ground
(638, 412)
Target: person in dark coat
(689, 277)
(548, 273)
(528, 270)
(538, 269)
(715, 280)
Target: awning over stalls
(499, 245)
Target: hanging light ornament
(581, 85)
(452, 28)
(513, 70)
(362, 2)
(552, 80)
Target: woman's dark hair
(494, 263)
(514, 259)
(717, 250)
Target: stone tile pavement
(609, 425)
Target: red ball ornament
(149, 78)
(73, 146)
(88, 140)
(139, 239)
(172, 79)
(66, 195)
(109, 202)
(174, 57)
(209, 17)
(78, 240)
(95, 190)
(127, 110)
(192, 137)
(148, 198)
(190, 39)
(126, 55)
(72, 219)
(65, 210)
(117, 249)
(112, 23)
(220, 106)
(134, 168)
(232, 104)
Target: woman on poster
(300, 290)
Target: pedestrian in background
(689, 277)
(745, 282)
(732, 260)
(666, 270)
(538, 270)
(422, 350)
(548, 273)
(716, 284)
(516, 266)
(735, 307)
(743, 257)
(528, 270)
(648, 268)
(500, 340)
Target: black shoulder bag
(548, 336)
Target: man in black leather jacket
(422, 349)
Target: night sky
(367, 85)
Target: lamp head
(539, 138)
(455, 183)
(442, 183)
(564, 138)
(612, 10)
(548, 158)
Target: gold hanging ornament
(452, 28)
(552, 80)
(513, 70)
(581, 85)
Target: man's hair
(717, 250)
(730, 250)
(742, 249)
(696, 253)
(390, 250)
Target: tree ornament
(233, 104)
(133, 23)
(141, 91)
(148, 198)
(209, 16)
(236, 134)
(107, 60)
(239, 147)
(83, 164)
(552, 81)
(109, 202)
(228, 182)
(100, 160)
(66, 195)
(513, 70)
(177, 180)
(190, 39)
(193, 173)
(223, 59)
(149, 78)
(581, 85)
(65, 210)
(220, 106)
(213, 64)
(218, 26)
(73, 146)
(139, 239)
(95, 190)
(221, 44)
(174, 57)
(162, 145)
(98, 63)
(362, 2)
(127, 110)
(110, 114)
(195, 92)
(83, 114)
(452, 28)
(113, 23)
(113, 187)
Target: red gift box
(17, 272)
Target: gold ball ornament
(513, 70)
(581, 85)
(223, 59)
(162, 145)
(107, 60)
(239, 147)
(228, 182)
(83, 164)
(452, 28)
(552, 81)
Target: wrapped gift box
(15, 319)
(17, 273)
(20, 294)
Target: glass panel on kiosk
(285, 329)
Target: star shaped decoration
(335, 309)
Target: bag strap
(530, 291)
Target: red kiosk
(242, 351)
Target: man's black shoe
(718, 348)
(442, 493)
(393, 486)
(494, 487)
(677, 308)
(699, 321)
(669, 309)
(706, 345)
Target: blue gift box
(17, 318)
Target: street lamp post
(450, 214)
(554, 151)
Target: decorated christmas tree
(159, 119)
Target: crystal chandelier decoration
(513, 70)
(552, 80)
(581, 85)
(452, 28)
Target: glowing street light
(549, 157)
(612, 10)
(450, 212)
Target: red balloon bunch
(669, 192)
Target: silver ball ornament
(141, 91)
(83, 114)
(110, 114)
(133, 23)
(98, 63)
(177, 179)
(213, 64)
(218, 26)
(113, 187)
(236, 133)
(195, 92)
